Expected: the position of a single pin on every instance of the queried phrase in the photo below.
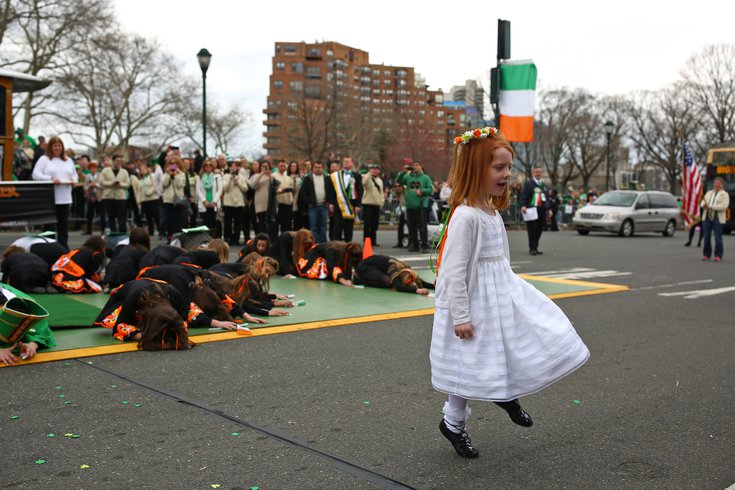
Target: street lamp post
(204, 58)
(609, 128)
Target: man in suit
(314, 196)
(346, 199)
(715, 204)
(535, 195)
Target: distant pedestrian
(715, 204)
(534, 199)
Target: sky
(605, 47)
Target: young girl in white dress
(495, 337)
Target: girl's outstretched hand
(463, 330)
(7, 357)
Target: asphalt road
(352, 407)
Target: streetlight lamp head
(204, 57)
(609, 128)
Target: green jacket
(413, 183)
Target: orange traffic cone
(367, 249)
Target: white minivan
(629, 212)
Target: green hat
(17, 316)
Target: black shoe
(516, 413)
(533, 252)
(375, 245)
(688, 244)
(539, 252)
(461, 441)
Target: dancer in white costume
(495, 337)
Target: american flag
(692, 186)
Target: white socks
(456, 413)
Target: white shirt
(56, 168)
(319, 189)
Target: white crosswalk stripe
(699, 293)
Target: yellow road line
(61, 355)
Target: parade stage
(327, 305)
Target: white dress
(522, 342)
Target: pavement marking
(337, 462)
(599, 287)
(671, 285)
(216, 337)
(580, 273)
(699, 293)
(731, 487)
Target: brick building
(329, 99)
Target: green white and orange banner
(516, 100)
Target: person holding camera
(235, 185)
(418, 188)
(372, 202)
(175, 202)
(209, 191)
(115, 181)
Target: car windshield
(623, 199)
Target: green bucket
(17, 315)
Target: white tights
(456, 413)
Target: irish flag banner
(515, 100)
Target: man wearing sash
(345, 200)
(534, 195)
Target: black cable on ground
(337, 462)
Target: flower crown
(474, 134)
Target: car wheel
(627, 228)
(670, 228)
(583, 232)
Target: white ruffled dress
(522, 341)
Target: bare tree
(122, 87)
(661, 122)
(312, 134)
(709, 78)
(223, 125)
(586, 144)
(44, 36)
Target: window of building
(274, 116)
(330, 53)
(296, 85)
(314, 52)
(293, 106)
(278, 84)
(401, 74)
(387, 73)
(292, 117)
(313, 72)
(386, 82)
(312, 92)
(297, 67)
(280, 65)
(439, 113)
(290, 49)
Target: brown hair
(12, 250)
(468, 165)
(221, 248)
(55, 139)
(95, 242)
(302, 243)
(262, 270)
(139, 237)
(161, 326)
